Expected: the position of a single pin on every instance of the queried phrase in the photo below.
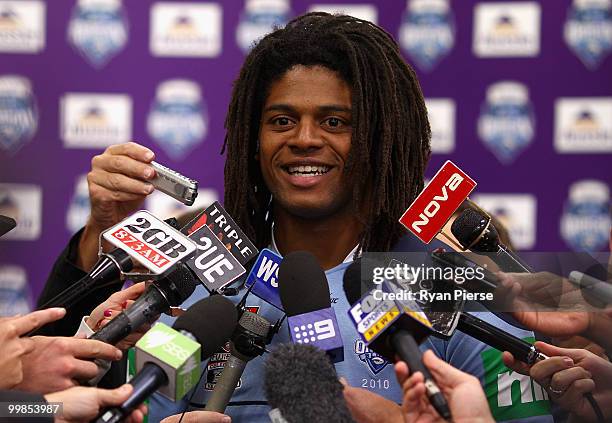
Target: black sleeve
(22, 397)
(63, 275)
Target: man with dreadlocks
(327, 142)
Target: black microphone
(302, 386)
(399, 338)
(105, 272)
(476, 232)
(7, 224)
(305, 297)
(160, 295)
(248, 341)
(210, 322)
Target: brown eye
(282, 121)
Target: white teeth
(308, 170)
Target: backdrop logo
(441, 114)
(517, 212)
(95, 120)
(24, 204)
(22, 26)
(588, 31)
(98, 30)
(186, 30)
(14, 291)
(507, 29)
(178, 120)
(18, 112)
(258, 19)
(427, 33)
(78, 210)
(583, 125)
(506, 124)
(375, 362)
(585, 224)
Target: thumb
(553, 350)
(36, 319)
(443, 373)
(117, 396)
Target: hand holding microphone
(463, 392)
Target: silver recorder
(174, 184)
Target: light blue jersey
(511, 396)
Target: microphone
(7, 224)
(389, 332)
(302, 386)
(263, 277)
(475, 232)
(596, 290)
(160, 295)
(169, 359)
(304, 294)
(247, 342)
(136, 238)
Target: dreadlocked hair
(390, 143)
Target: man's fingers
(117, 396)
(31, 321)
(543, 370)
(199, 417)
(401, 372)
(133, 150)
(104, 194)
(443, 371)
(514, 364)
(118, 182)
(89, 348)
(553, 350)
(562, 380)
(83, 370)
(130, 293)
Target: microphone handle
(499, 339)
(510, 262)
(144, 310)
(226, 385)
(408, 350)
(148, 380)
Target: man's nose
(307, 136)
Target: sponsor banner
(18, 112)
(588, 31)
(227, 230)
(98, 30)
(178, 120)
(583, 125)
(186, 29)
(212, 263)
(427, 32)
(441, 114)
(79, 207)
(95, 120)
(506, 124)
(258, 19)
(436, 203)
(150, 241)
(23, 203)
(367, 12)
(586, 221)
(507, 29)
(22, 26)
(511, 395)
(15, 296)
(516, 212)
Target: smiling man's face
(305, 140)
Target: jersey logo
(375, 362)
(511, 395)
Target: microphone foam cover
(468, 226)
(302, 383)
(178, 285)
(212, 321)
(357, 279)
(302, 284)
